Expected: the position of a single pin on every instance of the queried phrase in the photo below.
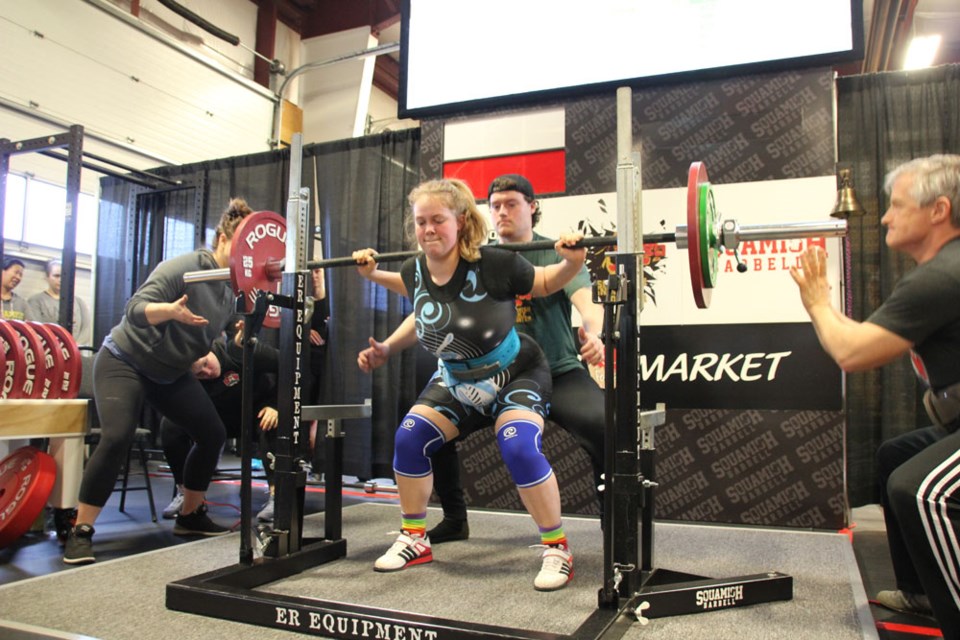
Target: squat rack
(633, 589)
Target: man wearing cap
(14, 307)
(577, 405)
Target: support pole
(290, 477)
(68, 262)
(625, 480)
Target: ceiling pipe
(110, 9)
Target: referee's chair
(141, 441)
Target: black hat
(9, 262)
(511, 182)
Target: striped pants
(920, 495)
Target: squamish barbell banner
(755, 424)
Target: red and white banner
(531, 144)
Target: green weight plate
(709, 236)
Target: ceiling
(888, 27)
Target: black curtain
(139, 227)
(362, 186)
(884, 120)
(359, 187)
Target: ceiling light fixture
(922, 51)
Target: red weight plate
(37, 383)
(696, 177)
(26, 480)
(72, 364)
(53, 359)
(259, 241)
(15, 363)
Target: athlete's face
(438, 227)
(512, 216)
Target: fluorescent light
(922, 51)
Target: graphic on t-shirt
(919, 368)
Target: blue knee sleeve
(521, 449)
(416, 440)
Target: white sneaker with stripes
(556, 569)
(407, 551)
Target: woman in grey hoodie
(167, 325)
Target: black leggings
(120, 391)
(176, 442)
(577, 406)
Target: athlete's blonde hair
(456, 196)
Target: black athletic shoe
(79, 547)
(198, 523)
(63, 521)
(449, 530)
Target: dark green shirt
(547, 319)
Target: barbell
(258, 246)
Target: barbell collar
(730, 238)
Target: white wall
(160, 90)
(94, 67)
(335, 96)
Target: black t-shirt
(924, 308)
(472, 313)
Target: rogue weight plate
(26, 480)
(72, 364)
(36, 384)
(52, 359)
(258, 246)
(15, 363)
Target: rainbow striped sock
(415, 524)
(554, 536)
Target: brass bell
(846, 204)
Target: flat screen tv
(460, 56)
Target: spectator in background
(14, 307)
(45, 306)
